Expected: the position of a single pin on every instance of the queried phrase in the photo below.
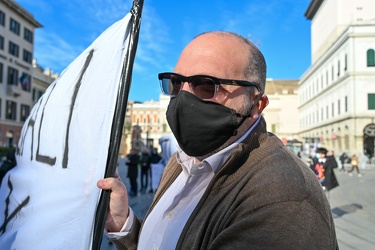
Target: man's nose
(186, 87)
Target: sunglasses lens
(171, 85)
(203, 87)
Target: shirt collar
(216, 160)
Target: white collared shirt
(163, 226)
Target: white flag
(48, 201)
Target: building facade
(41, 79)
(282, 111)
(337, 92)
(16, 53)
(145, 123)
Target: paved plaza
(353, 208)
(352, 203)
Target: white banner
(49, 200)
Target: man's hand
(118, 205)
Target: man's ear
(258, 108)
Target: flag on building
(25, 82)
(50, 199)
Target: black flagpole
(118, 121)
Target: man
(343, 158)
(155, 160)
(145, 163)
(323, 165)
(132, 160)
(231, 185)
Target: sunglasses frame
(216, 81)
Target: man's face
(217, 56)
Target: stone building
(337, 92)
(16, 53)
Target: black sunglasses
(205, 87)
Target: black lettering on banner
(8, 218)
(32, 120)
(43, 158)
(31, 123)
(74, 97)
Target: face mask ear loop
(244, 117)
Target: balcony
(13, 90)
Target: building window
(346, 62)
(338, 68)
(14, 26)
(2, 18)
(25, 111)
(370, 58)
(327, 113)
(1, 42)
(37, 94)
(371, 101)
(27, 56)
(12, 76)
(333, 73)
(13, 49)
(11, 110)
(28, 35)
(1, 73)
(338, 107)
(333, 109)
(346, 104)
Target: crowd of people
(141, 162)
(355, 161)
(150, 163)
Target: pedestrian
(155, 159)
(363, 160)
(9, 163)
(145, 163)
(132, 160)
(354, 162)
(231, 184)
(343, 158)
(323, 168)
(168, 146)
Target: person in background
(132, 160)
(354, 163)
(155, 159)
(343, 158)
(9, 163)
(363, 160)
(231, 184)
(145, 163)
(323, 167)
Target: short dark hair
(321, 151)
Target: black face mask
(201, 126)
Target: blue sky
(278, 27)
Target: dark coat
(330, 177)
(132, 162)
